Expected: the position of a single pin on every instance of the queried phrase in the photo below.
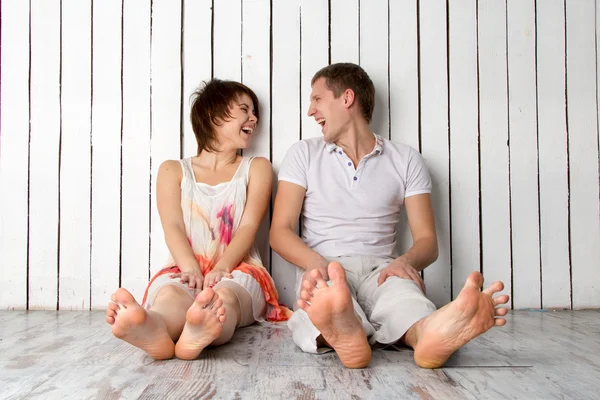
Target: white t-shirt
(348, 211)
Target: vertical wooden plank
(434, 137)
(14, 153)
(598, 88)
(286, 119)
(135, 188)
(552, 142)
(404, 74)
(523, 154)
(374, 43)
(197, 62)
(256, 63)
(44, 154)
(345, 31)
(74, 284)
(493, 108)
(106, 150)
(464, 160)
(314, 54)
(165, 108)
(228, 39)
(404, 89)
(583, 153)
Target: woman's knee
(172, 293)
(228, 296)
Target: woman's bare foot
(437, 336)
(331, 311)
(131, 323)
(204, 324)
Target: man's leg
(305, 334)
(393, 307)
(434, 337)
(473, 312)
(331, 311)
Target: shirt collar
(378, 149)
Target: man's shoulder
(314, 143)
(397, 147)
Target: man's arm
(283, 238)
(424, 250)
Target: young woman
(210, 207)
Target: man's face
(327, 111)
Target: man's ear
(348, 96)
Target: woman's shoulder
(260, 167)
(171, 168)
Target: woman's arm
(258, 196)
(168, 200)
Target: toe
(336, 273)
(501, 300)
(123, 297)
(205, 297)
(501, 312)
(499, 321)
(308, 284)
(494, 288)
(217, 304)
(305, 295)
(475, 280)
(315, 275)
(303, 304)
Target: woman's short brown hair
(342, 76)
(210, 105)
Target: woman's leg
(171, 304)
(152, 331)
(204, 323)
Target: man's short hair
(342, 76)
(210, 107)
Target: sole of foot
(204, 324)
(131, 323)
(331, 310)
(473, 312)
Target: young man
(350, 186)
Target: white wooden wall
(500, 96)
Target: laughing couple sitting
(349, 186)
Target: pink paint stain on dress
(226, 223)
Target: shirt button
(355, 178)
(349, 163)
(339, 152)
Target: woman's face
(235, 133)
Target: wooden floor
(73, 355)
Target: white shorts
(246, 288)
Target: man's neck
(357, 141)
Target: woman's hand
(214, 276)
(193, 278)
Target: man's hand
(214, 277)
(401, 269)
(194, 278)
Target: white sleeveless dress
(212, 215)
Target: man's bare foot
(131, 323)
(437, 336)
(331, 311)
(204, 324)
